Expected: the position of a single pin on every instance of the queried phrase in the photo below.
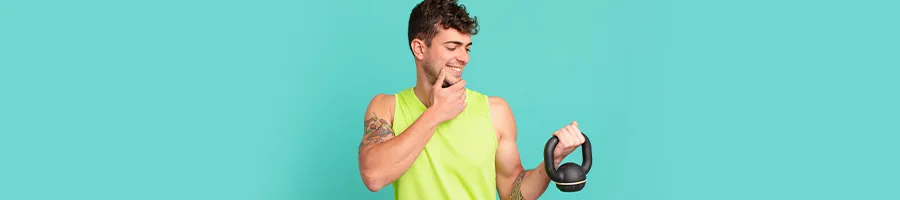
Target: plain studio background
(694, 99)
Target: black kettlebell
(570, 177)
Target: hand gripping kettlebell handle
(549, 161)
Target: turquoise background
(688, 99)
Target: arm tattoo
(376, 130)
(516, 193)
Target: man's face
(449, 49)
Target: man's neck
(423, 91)
(423, 88)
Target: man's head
(440, 37)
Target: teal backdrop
(688, 99)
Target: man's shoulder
(382, 101)
(501, 117)
(500, 110)
(383, 97)
(498, 103)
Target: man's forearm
(384, 162)
(531, 184)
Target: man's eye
(452, 49)
(468, 50)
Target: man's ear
(418, 48)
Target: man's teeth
(455, 68)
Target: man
(440, 140)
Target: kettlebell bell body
(569, 177)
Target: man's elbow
(372, 181)
(374, 187)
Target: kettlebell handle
(549, 161)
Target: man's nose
(464, 58)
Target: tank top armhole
(394, 112)
(497, 134)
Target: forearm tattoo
(516, 193)
(376, 131)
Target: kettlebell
(569, 177)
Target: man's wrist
(429, 118)
(557, 160)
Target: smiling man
(441, 140)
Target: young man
(441, 140)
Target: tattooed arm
(383, 157)
(513, 181)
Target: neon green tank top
(458, 161)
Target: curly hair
(429, 14)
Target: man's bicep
(508, 163)
(509, 167)
(377, 122)
(507, 160)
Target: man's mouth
(455, 68)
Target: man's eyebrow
(457, 43)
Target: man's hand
(447, 103)
(570, 138)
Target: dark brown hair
(429, 14)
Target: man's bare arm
(513, 181)
(530, 184)
(383, 157)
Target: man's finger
(579, 137)
(559, 138)
(569, 133)
(440, 79)
(574, 135)
(563, 139)
(461, 85)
